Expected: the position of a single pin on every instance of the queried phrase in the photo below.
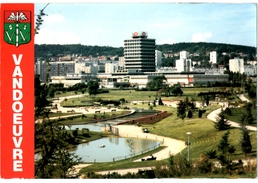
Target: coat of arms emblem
(17, 27)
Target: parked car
(145, 130)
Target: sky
(109, 24)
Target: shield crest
(17, 27)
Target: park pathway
(214, 114)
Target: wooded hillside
(85, 50)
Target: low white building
(184, 65)
(250, 70)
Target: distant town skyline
(109, 24)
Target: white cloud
(201, 37)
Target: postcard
(132, 90)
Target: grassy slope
(204, 136)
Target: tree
(207, 100)
(221, 122)
(156, 83)
(252, 92)
(160, 101)
(224, 144)
(181, 109)
(245, 140)
(51, 91)
(75, 132)
(51, 141)
(122, 100)
(228, 111)
(41, 93)
(190, 114)
(200, 113)
(92, 87)
(83, 90)
(247, 116)
(175, 90)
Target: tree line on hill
(203, 47)
(46, 50)
(53, 50)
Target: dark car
(145, 130)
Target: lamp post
(188, 144)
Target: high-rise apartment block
(139, 53)
(236, 65)
(213, 57)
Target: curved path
(173, 146)
(214, 114)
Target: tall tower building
(213, 57)
(139, 53)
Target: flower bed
(151, 119)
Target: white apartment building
(121, 61)
(79, 67)
(158, 58)
(82, 67)
(111, 67)
(184, 54)
(184, 64)
(250, 70)
(236, 65)
(213, 57)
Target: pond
(116, 148)
(113, 149)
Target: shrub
(211, 153)
(75, 132)
(204, 166)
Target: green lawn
(130, 95)
(237, 112)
